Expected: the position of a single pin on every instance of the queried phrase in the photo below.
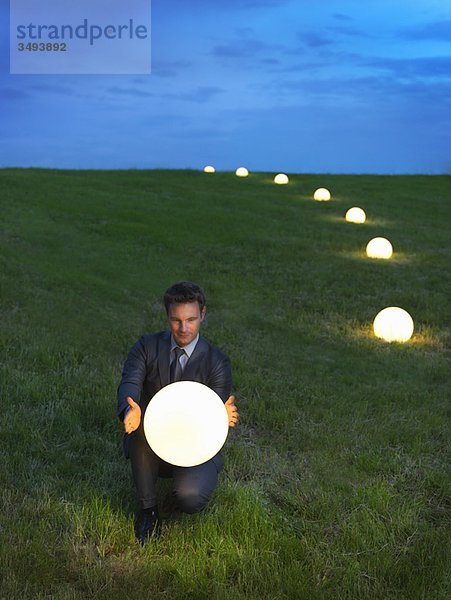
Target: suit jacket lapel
(163, 359)
(194, 360)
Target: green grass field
(335, 483)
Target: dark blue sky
(343, 86)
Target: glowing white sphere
(379, 248)
(281, 179)
(242, 172)
(322, 195)
(355, 215)
(393, 324)
(186, 423)
(209, 169)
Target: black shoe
(147, 524)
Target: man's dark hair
(183, 292)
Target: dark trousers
(192, 486)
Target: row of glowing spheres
(378, 247)
(392, 324)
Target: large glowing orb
(209, 169)
(355, 215)
(393, 324)
(241, 172)
(379, 247)
(186, 423)
(281, 179)
(322, 195)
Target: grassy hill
(335, 482)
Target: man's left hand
(232, 411)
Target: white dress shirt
(189, 349)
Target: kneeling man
(154, 362)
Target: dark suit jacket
(146, 370)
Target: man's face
(184, 321)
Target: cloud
(201, 94)
(330, 88)
(323, 58)
(347, 30)
(270, 61)
(130, 91)
(12, 93)
(314, 40)
(166, 68)
(436, 30)
(374, 91)
(261, 3)
(439, 66)
(256, 3)
(342, 17)
(52, 88)
(304, 67)
(247, 48)
(227, 4)
(39, 89)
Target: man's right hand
(133, 417)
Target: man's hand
(232, 412)
(133, 417)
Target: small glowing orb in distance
(322, 195)
(281, 179)
(379, 248)
(241, 172)
(355, 215)
(393, 324)
(186, 423)
(209, 169)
